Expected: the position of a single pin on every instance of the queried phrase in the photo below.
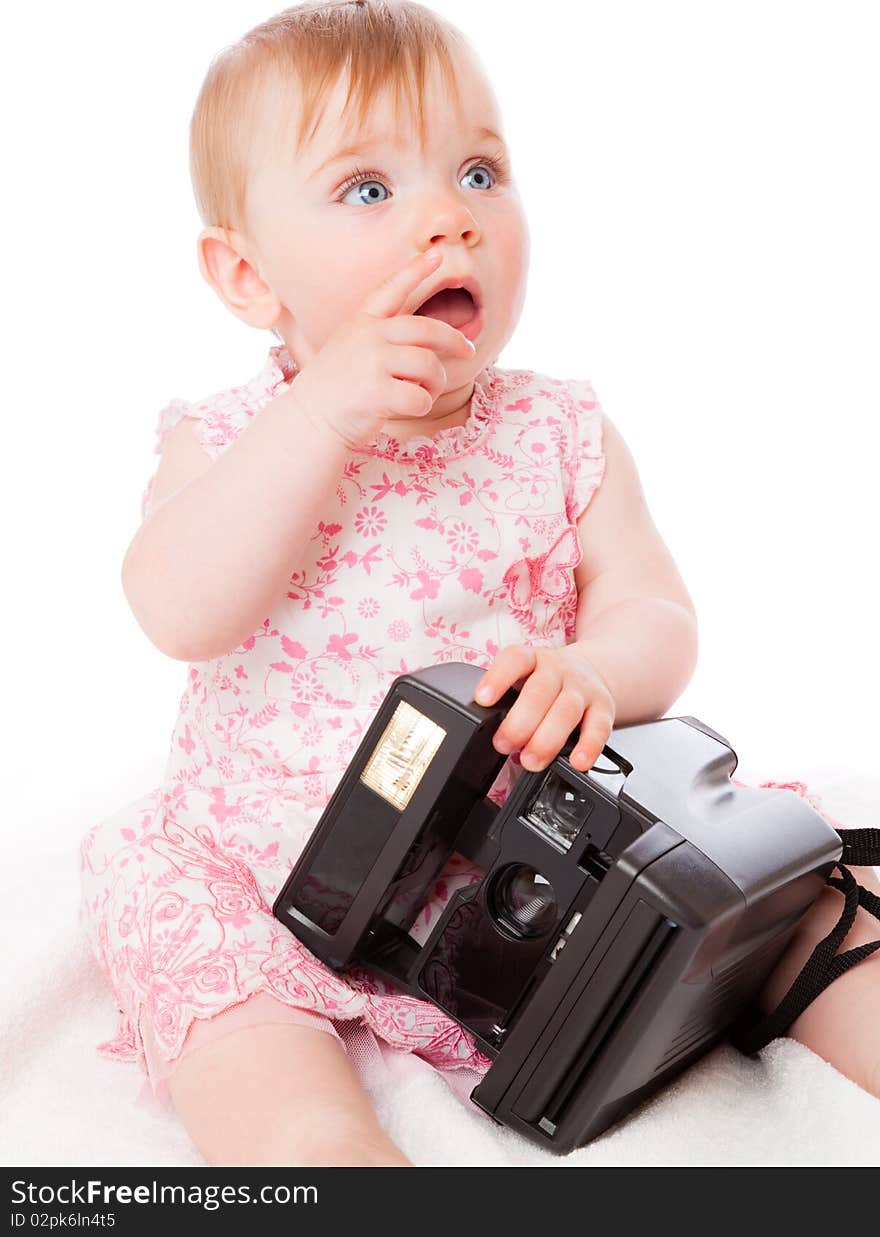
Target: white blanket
(63, 1104)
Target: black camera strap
(861, 848)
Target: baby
(380, 497)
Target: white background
(702, 187)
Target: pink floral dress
(439, 549)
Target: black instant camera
(625, 916)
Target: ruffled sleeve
(584, 462)
(220, 418)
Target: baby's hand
(381, 364)
(562, 690)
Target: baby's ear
(223, 258)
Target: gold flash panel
(400, 758)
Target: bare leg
(278, 1095)
(842, 1025)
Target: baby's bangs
(373, 71)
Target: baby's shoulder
(567, 406)
(221, 416)
(557, 426)
(569, 395)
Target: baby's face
(323, 241)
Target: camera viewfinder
(559, 810)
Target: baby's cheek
(511, 243)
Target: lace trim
(421, 448)
(394, 1019)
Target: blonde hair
(382, 43)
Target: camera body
(624, 917)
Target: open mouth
(456, 306)
(453, 305)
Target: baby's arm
(211, 559)
(213, 554)
(635, 619)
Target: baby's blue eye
(482, 178)
(372, 188)
(486, 173)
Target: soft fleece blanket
(61, 1104)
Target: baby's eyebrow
(370, 141)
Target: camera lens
(524, 902)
